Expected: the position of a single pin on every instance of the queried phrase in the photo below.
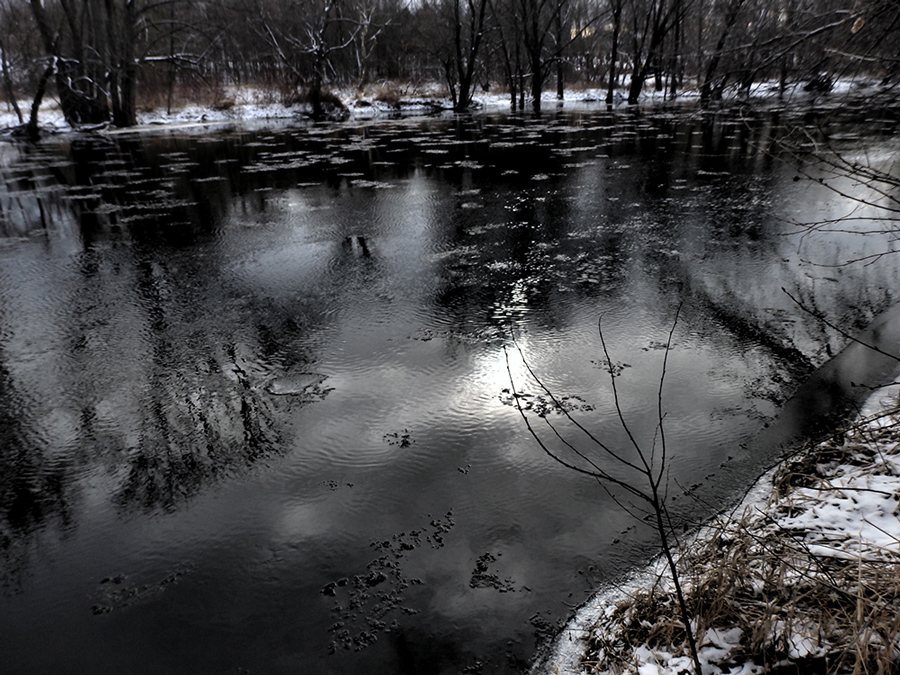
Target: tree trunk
(537, 86)
(127, 113)
(113, 58)
(614, 52)
(451, 83)
(560, 88)
(77, 107)
(535, 61)
(465, 96)
(170, 84)
(8, 85)
(706, 90)
(315, 92)
(459, 102)
(32, 128)
(642, 70)
(559, 60)
(675, 63)
(510, 76)
(467, 56)
(637, 85)
(783, 75)
(534, 47)
(507, 58)
(521, 74)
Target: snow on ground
(50, 116)
(803, 572)
(247, 103)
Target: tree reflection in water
(170, 307)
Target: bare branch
(821, 317)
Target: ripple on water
(348, 434)
(396, 304)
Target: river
(256, 382)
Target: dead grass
(154, 95)
(390, 94)
(832, 605)
(395, 94)
(328, 99)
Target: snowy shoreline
(842, 511)
(248, 104)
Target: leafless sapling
(646, 475)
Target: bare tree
(506, 29)
(461, 62)
(647, 475)
(652, 21)
(305, 37)
(538, 19)
(104, 55)
(731, 12)
(616, 7)
(370, 28)
(96, 49)
(10, 15)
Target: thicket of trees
(104, 58)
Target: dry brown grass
(154, 94)
(390, 94)
(327, 98)
(800, 608)
(394, 93)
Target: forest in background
(104, 60)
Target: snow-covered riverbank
(251, 104)
(248, 104)
(802, 575)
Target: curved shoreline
(563, 657)
(567, 653)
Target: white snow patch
(248, 103)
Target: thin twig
(844, 333)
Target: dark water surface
(254, 399)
